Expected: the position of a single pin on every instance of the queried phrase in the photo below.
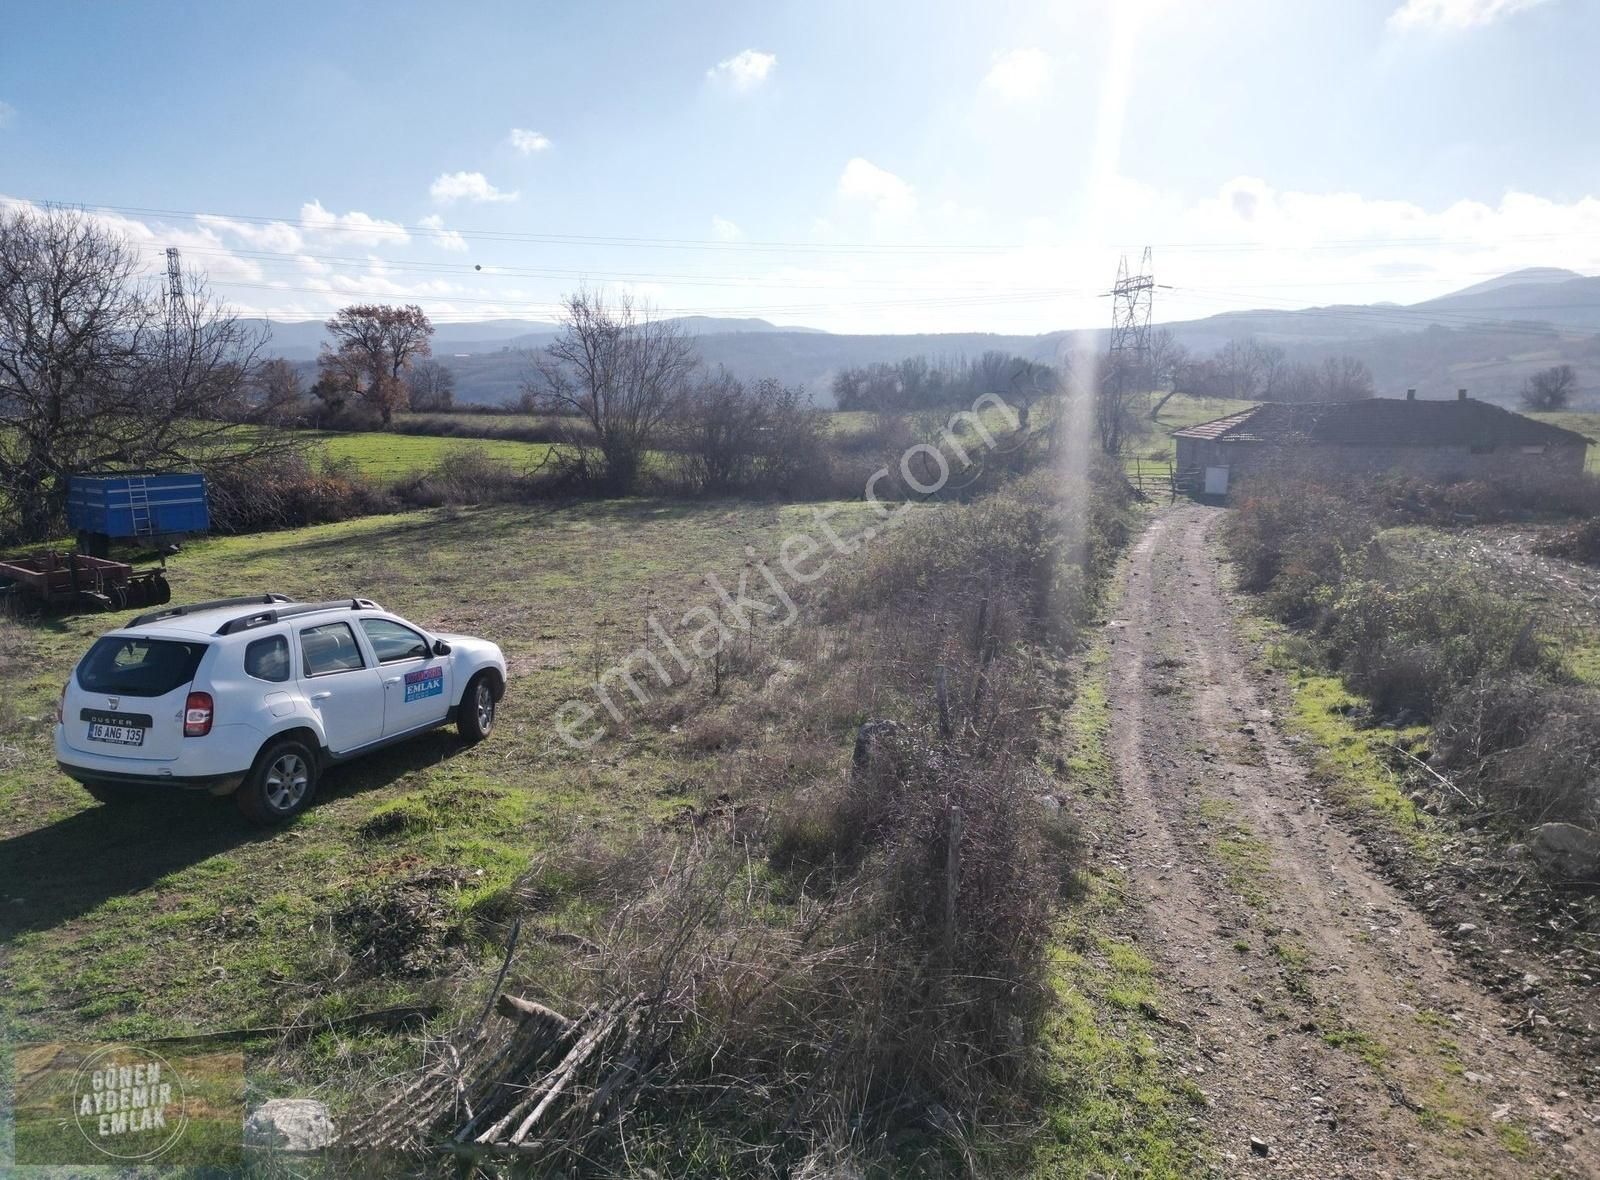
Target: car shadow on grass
(65, 869)
(384, 768)
(58, 872)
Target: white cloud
(354, 227)
(7, 113)
(725, 230)
(466, 186)
(277, 236)
(1455, 14)
(445, 239)
(888, 195)
(745, 70)
(1021, 75)
(529, 142)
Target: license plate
(121, 735)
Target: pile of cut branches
(549, 1080)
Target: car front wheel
(280, 784)
(475, 718)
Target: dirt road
(1332, 1023)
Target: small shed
(1462, 438)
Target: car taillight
(61, 705)
(197, 715)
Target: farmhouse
(1460, 438)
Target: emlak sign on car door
(424, 682)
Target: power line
(398, 231)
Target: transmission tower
(174, 299)
(1131, 301)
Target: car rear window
(139, 667)
(268, 659)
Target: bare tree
(433, 386)
(733, 435)
(621, 372)
(277, 392)
(1346, 379)
(1241, 365)
(1116, 396)
(374, 346)
(1550, 389)
(99, 369)
(1168, 359)
(1271, 364)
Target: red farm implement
(52, 581)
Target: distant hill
(1487, 337)
(1517, 278)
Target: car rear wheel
(475, 718)
(280, 784)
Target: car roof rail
(174, 612)
(265, 618)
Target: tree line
(923, 383)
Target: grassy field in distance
(1585, 423)
(382, 456)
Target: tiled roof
(1383, 422)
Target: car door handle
(320, 696)
(392, 680)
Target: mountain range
(1487, 337)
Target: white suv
(254, 696)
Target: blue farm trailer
(157, 508)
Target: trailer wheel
(160, 591)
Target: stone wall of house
(1244, 458)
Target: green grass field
(386, 457)
(1587, 424)
(173, 916)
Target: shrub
(1526, 747)
(1406, 499)
(1291, 539)
(734, 436)
(285, 491)
(1580, 542)
(1409, 648)
(469, 476)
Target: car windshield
(139, 667)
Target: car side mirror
(441, 648)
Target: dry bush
(1290, 540)
(1411, 647)
(251, 495)
(1520, 497)
(1526, 748)
(543, 429)
(1057, 552)
(1580, 542)
(469, 476)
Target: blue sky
(869, 165)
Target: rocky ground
(1337, 1031)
